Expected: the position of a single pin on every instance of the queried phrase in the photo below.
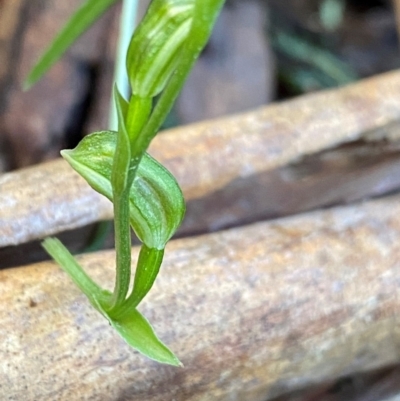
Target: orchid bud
(155, 48)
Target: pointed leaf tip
(137, 332)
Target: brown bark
(277, 160)
(253, 313)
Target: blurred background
(261, 51)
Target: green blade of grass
(80, 21)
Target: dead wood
(322, 149)
(253, 313)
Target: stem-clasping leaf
(156, 202)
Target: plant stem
(121, 180)
(140, 134)
(123, 174)
(127, 27)
(123, 248)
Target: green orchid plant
(145, 195)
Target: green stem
(124, 170)
(135, 136)
(120, 179)
(122, 247)
(127, 27)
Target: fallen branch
(253, 313)
(244, 166)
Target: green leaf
(156, 203)
(147, 269)
(71, 266)
(138, 333)
(131, 326)
(148, 266)
(80, 21)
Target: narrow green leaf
(138, 333)
(156, 203)
(71, 266)
(147, 269)
(139, 110)
(131, 118)
(148, 266)
(80, 21)
(132, 326)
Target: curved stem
(124, 170)
(122, 248)
(127, 27)
(136, 135)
